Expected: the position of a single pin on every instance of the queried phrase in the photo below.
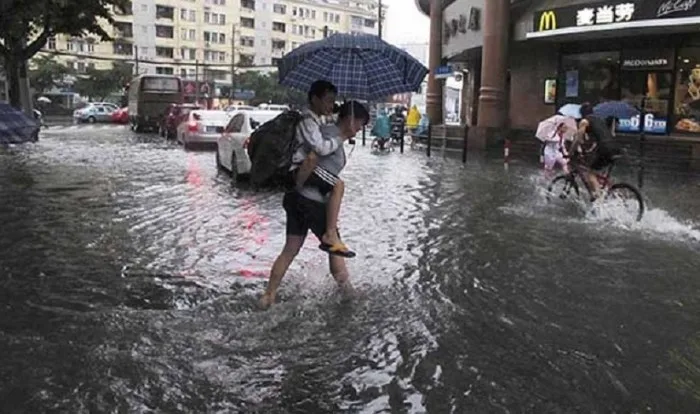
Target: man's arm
(578, 137)
(312, 138)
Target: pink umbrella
(546, 130)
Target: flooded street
(130, 273)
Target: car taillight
(193, 126)
(246, 142)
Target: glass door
(654, 89)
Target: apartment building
(208, 38)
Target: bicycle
(609, 188)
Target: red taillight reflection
(193, 126)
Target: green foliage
(34, 21)
(267, 89)
(99, 84)
(26, 25)
(47, 73)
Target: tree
(267, 89)
(26, 25)
(48, 73)
(99, 84)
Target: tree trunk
(13, 86)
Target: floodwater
(130, 272)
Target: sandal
(338, 249)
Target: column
(433, 99)
(492, 95)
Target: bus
(149, 97)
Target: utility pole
(233, 62)
(380, 17)
(196, 81)
(325, 31)
(136, 60)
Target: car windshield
(214, 117)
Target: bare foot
(266, 301)
(347, 290)
(331, 238)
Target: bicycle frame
(603, 177)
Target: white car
(232, 145)
(202, 127)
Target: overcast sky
(405, 24)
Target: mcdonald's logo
(548, 21)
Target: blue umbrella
(361, 66)
(572, 110)
(615, 109)
(15, 126)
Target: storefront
(644, 52)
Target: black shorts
(303, 215)
(322, 179)
(603, 156)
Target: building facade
(208, 39)
(524, 59)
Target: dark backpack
(271, 148)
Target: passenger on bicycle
(599, 150)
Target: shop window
(653, 90)
(686, 108)
(589, 77)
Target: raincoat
(382, 125)
(423, 125)
(413, 117)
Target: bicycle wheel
(630, 197)
(561, 187)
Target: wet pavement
(131, 269)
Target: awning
(624, 29)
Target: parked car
(174, 115)
(273, 107)
(234, 108)
(202, 127)
(121, 116)
(95, 112)
(232, 145)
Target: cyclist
(601, 149)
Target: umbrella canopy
(361, 66)
(15, 126)
(43, 99)
(615, 109)
(546, 130)
(572, 110)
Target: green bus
(149, 97)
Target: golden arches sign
(548, 21)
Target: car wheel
(219, 166)
(234, 167)
(91, 119)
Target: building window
(275, 61)
(164, 31)
(589, 77)
(337, 18)
(164, 52)
(51, 43)
(123, 49)
(278, 44)
(165, 12)
(248, 22)
(278, 27)
(687, 100)
(246, 60)
(187, 15)
(370, 23)
(248, 4)
(123, 29)
(279, 9)
(164, 70)
(247, 41)
(123, 11)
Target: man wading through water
(305, 206)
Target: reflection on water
(131, 273)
